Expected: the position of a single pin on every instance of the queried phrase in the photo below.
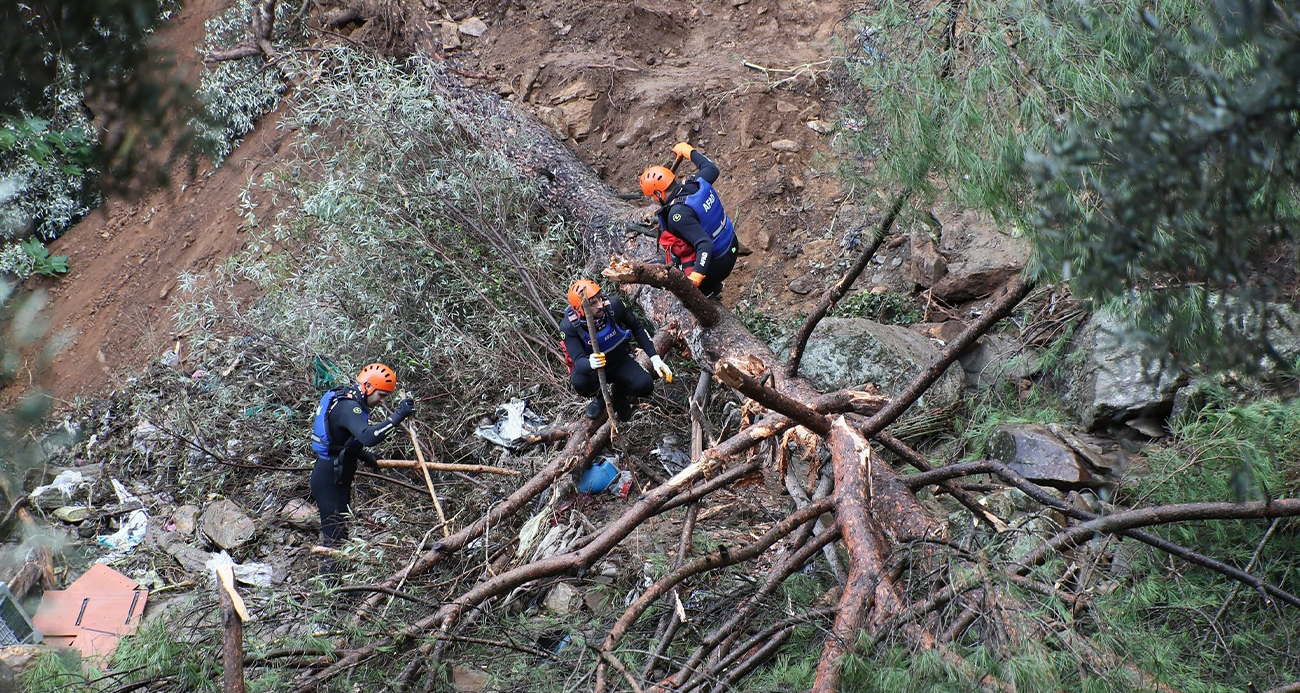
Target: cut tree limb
(446, 467)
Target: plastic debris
(514, 421)
(57, 492)
(93, 614)
(130, 534)
(256, 574)
(671, 455)
(599, 476)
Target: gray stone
(845, 352)
(226, 525)
(467, 679)
(805, 284)
(981, 257)
(1032, 451)
(450, 33)
(186, 518)
(473, 27)
(1112, 380)
(925, 265)
(300, 513)
(563, 599)
(997, 359)
(191, 558)
(8, 679)
(786, 146)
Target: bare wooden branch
(625, 271)
(835, 293)
(447, 467)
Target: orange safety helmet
(376, 376)
(655, 181)
(579, 289)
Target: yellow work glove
(597, 359)
(683, 150)
(696, 278)
(661, 368)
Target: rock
(467, 679)
(846, 352)
(1149, 427)
(925, 265)
(72, 514)
(583, 115)
(981, 257)
(806, 284)
(68, 484)
(563, 599)
(997, 359)
(1112, 381)
(20, 659)
(8, 679)
(300, 513)
(192, 559)
(226, 525)
(186, 518)
(554, 120)
(1039, 456)
(820, 127)
(772, 183)
(786, 146)
(450, 34)
(637, 130)
(473, 27)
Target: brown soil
(625, 81)
(629, 80)
(126, 256)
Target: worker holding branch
(694, 231)
(610, 350)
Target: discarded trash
(256, 574)
(530, 533)
(15, 626)
(94, 613)
(143, 434)
(514, 421)
(598, 477)
(671, 455)
(72, 514)
(59, 491)
(624, 483)
(130, 534)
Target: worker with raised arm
(340, 435)
(611, 350)
(694, 230)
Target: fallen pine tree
(898, 550)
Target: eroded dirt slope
(622, 81)
(126, 256)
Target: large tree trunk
(877, 514)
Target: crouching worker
(611, 350)
(694, 231)
(340, 436)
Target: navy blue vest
(320, 429)
(609, 336)
(708, 208)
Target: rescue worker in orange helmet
(611, 349)
(694, 230)
(340, 435)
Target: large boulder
(226, 525)
(980, 256)
(845, 352)
(1038, 455)
(1111, 379)
(996, 359)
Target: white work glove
(661, 368)
(597, 359)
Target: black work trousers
(719, 269)
(626, 377)
(331, 486)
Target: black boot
(623, 408)
(595, 408)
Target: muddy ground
(622, 81)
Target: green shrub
(890, 307)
